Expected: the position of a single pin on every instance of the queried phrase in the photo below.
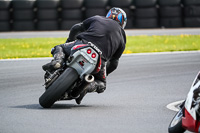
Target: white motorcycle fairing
(190, 120)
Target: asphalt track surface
(134, 102)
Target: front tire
(58, 88)
(175, 125)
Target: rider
(196, 95)
(107, 33)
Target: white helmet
(118, 15)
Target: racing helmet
(118, 15)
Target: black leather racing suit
(106, 34)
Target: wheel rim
(177, 118)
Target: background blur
(31, 15)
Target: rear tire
(175, 125)
(58, 88)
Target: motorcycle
(188, 117)
(74, 77)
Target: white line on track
(174, 106)
(155, 53)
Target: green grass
(140, 44)
(41, 47)
(28, 47)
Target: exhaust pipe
(89, 78)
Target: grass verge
(41, 47)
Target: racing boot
(96, 86)
(58, 60)
(53, 65)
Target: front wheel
(176, 124)
(58, 88)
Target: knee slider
(101, 86)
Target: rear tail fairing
(84, 58)
(191, 119)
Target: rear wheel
(176, 124)
(58, 88)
